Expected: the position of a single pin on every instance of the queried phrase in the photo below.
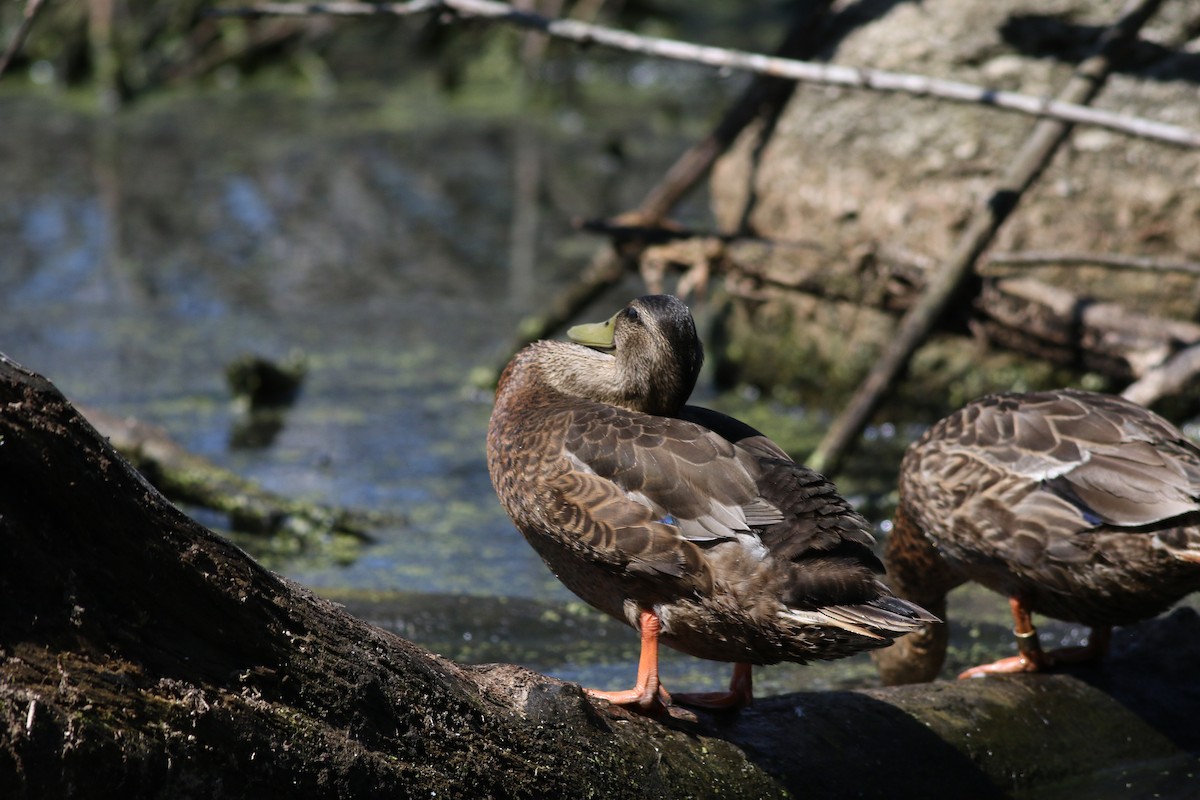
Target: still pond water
(387, 239)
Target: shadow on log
(141, 655)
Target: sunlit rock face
(871, 191)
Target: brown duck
(686, 524)
(1084, 507)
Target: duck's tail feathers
(1187, 555)
(885, 617)
(1181, 543)
(910, 615)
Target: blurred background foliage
(126, 49)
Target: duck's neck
(579, 371)
(915, 569)
(916, 572)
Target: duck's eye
(631, 314)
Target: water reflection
(141, 255)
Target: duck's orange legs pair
(648, 693)
(1031, 657)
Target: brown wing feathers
(828, 542)
(1111, 460)
(712, 489)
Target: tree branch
(188, 478)
(828, 74)
(32, 8)
(142, 656)
(1036, 258)
(1167, 379)
(1059, 326)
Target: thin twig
(1037, 258)
(948, 283)
(336, 9)
(32, 9)
(652, 235)
(830, 74)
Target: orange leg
(1031, 657)
(740, 694)
(647, 694)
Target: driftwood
(1170, 378)
(1065, 328)
(193, 480)
(1039, 258)
(636, 235)
(143, 656)
(1020, 314)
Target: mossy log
(143, 656)
(192, 479)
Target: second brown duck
(1084, 507)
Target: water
(141, 254)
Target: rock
(912, 168)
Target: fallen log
(142, 655)
(1063, 327)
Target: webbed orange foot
(1032, 658)
(646, 698)
(1005, 666)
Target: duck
(1076, 505)
(690, 526)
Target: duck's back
(817, 529)
(574, 475)
(1084, 504)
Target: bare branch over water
(723, 58)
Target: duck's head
(651, 355)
